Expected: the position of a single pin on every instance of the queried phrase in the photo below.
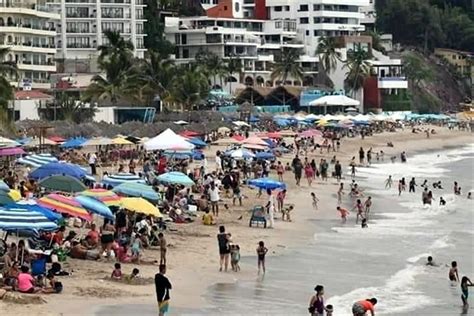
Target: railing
(79, 45)
(19, 5)
(85, 31)
(44, 63)
(116, 16)
(29, 26)
(80, 1)
(76, 15)
(116, 1)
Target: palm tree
(7, 69)
(157, 72)
(328, 54)
(117, 46)
(72, 110)
(286, 65)
(358, 68)
(234, 65)
(189, 87)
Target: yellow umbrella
(15, 195)
(121, 141)
(322, 123)
(140, 205)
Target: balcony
(81, 46)
(81, 16)
(115, 1)
(81, 1)
(392, 82)
(116, 16)
(79, 31)
(30, 9)
(28, 28)
(39, 66)
(31, 47)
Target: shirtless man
(388, 182)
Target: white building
(370, 15)
(27, 28)
(255, 42)
(83, 23)
(316, 18)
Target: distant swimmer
(343, 213)
(465, 284)
(469, 196)
(400, 187)
(403, 157)
(453, 272)
(457, 188)
(442, 201)
(425, 183)
(388, 182)
(360, 308)
(412, 185)
(424, 196)
(430, 262)
(437, 185)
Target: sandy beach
(192, 256)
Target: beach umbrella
(95, 206)
(175, 177)
(266, 183)
(37, 160)
(4, 186)
(257, 147)
(264, 155)
(137, 190)
(119, 178)
(254, 140)
(12, 151)
(238, 138)
(6, 142)
(310, 133)
(197, 142)
(107, 197)
(242, 153)
(188, 133)
(31, 205)
(57, 139)
(62, 183)
(74, 142)
(64, 205)
(5, 198)
(98, 141)
(168, 140)
(274, 135)
(58, 168)
(35, 142)
(120, 140)
(21, 219)
(140, 205)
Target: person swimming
(442, 201)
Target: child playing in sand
(286, 213)
(117, 273)
(235, 257)
(134, 275)
(344, 213)
(53, 285)
(261, 252)
(136, 248)
(315, 200)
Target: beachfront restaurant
(319, 101)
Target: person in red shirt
(94, 234)
(58, 237)
(360, 308)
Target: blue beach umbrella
(175, 177)
(74, 142)
(196, 142)
(137, 190)
(119, 178)
(33, 207)
(37, 160)
(266, 183)
(4, 186)
(95, 206)
(19, 219)
(264, 155)
(58, 168)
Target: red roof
(32, 94)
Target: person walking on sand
(338, 171)
(316, 303)
(309, 173)
(465, 284)
(224, 249)
(280, 169)
(361, 308)
(214, 195)
(163, 247)
(297, 169)
(388, 182)
(261, 253)
(162, 288)
(340, 193)
(270, 208)
(412, 185)
(281, 200)
(361, 155)
(359, 207)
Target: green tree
(189, 87)
(118, 48)
(328, 54)
(211, 64)
(358, 67)
(157, 73)
(286, 65)
(68, 108)
(416, 70)
(7, 70)
(233, 65)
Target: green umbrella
(5, 198)
(62, 183)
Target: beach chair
(258, 216)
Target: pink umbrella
(254, 140)
(274, 135)
(310, 133)
(12, 151)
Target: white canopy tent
(168, 140)
(335, 101)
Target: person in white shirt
(92, 163)
(214, 196)
(218, 163)
(271, 208)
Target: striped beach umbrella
(32, 205)
(21, 219)
(107, 197)
(175, 177)
(137, 190)
(37, 160)
(119, 178)
(64, 205)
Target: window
(317, 33)
(77, 42)
(303, 7)
(316, 7)
(139, 28)
(185, 53)
(114, 26)
(77, 12)
(278, 8)
(77, 27)
(307, 32)
(304, 20)
(184, 39)
(287, 8)
(237, 7)
(316, 20)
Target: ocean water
(386, 260)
